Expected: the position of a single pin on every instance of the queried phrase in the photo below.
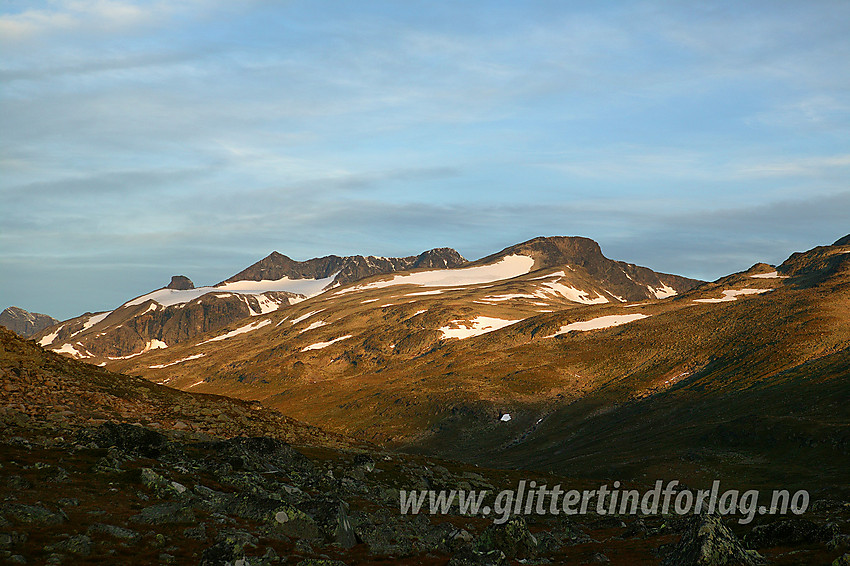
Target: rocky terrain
(103, 468)
(24, 322)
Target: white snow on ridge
(240, 330)
(477, 326)
(320, 345)
(732, 295)
(548, 290)
(192, 357)
(48, 339)
(663, 292)
(168, 297)
(506, 268)
(598, 323)
(771, 275)
(266, 305)
(94, 319)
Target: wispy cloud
(113, 16)
(172, 131)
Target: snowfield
(771, 275)
(598, 323)
(168, 297)
(506, 268)
(477, 326)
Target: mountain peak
(25, 323)
(181, 283)
(439, 258)
(551, 251)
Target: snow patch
(508, 297)
(598, 323)
(506, 268)
(320, 345)
(152, 345)
(193, 357)
(771, 275)
(548, 290)
(240, 330)
(663, 292)
(266, 305)
(94, 319)
(49, 338)
(505, 418)
(732, 295)
(434, 292)
(313, 326)
(169, 297)
(305, 316)
(69, 349)
(551, 275)
(477, 326)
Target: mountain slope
(180, 311)
(408, 359)
(625, 280)
(41, 386)
(347, 356)
(24, 322)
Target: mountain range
(498, 356)
(545, 356)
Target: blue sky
(144, 139)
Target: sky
(142, 139)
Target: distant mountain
(343, 270)
(25, 323)
(625, 280)
(559, 337)
(180, 311)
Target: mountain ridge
(25, 323)
(179, 312)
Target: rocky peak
(25, 323)
(623, 279)
(439, 258)
(181, 283)
(347, 269)
(554, 251)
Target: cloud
(114, 16)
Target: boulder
(708, 542)
(512, 537)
